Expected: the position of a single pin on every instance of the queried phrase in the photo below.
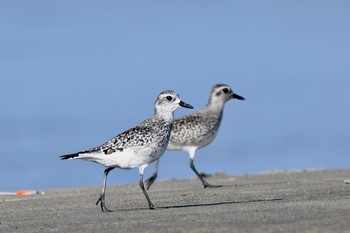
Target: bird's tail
(69, 156)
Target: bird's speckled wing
(134, 137)
(193, 128)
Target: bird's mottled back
(143, 135)
(193, 128)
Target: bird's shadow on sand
(218, 203)
(201, 204)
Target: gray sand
(308, 201)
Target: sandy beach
(285, 201)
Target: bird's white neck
(167, 116)
(215, 106)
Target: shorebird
(196, 130)
(138, 146)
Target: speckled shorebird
(198, 129)
(138, 146)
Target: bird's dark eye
(169, 98)
(225, 90)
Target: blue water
(75, 74)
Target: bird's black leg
(150, 204)
(101, 200)
(205, 184)
(153, 178)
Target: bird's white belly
(128, 158)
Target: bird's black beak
(185, 105)
(235, 96)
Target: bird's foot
(101, 200)
(207, 185)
